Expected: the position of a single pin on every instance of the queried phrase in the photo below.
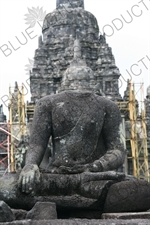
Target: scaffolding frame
(5, 145)
(139, 150)
(141, 167)
(134, 139)
(17, 119)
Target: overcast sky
(125, 22)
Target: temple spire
(70, 3)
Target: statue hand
(29, 177)
(96, 166)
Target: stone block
(6, 214)
(19, 214)
(42, 211)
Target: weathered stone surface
(19, 214)
(128, 196)
(6, 213)
(78, 119)
(75, 120)
(42, 211)
(88, 199)
(139, 215)
(85, 137)
(10, 193)
(81, 222)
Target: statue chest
(77, 128)
(80, 117)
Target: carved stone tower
(56, 50)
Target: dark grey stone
(42, 211)
(78, 119)
(128, 196)
(6, 214)
(19, 214)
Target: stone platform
(126, 216)
(45, 213)
(80, 222)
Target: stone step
(126, 216)
(80, 222)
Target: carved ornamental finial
(77, 49)
(70, 3)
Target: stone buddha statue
(84, 127)
(87, 149)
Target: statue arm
(115, 153)
(41, 131)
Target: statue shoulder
(44, 103)
(107, 103)
(50, 100)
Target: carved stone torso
(77, 124)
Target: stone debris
(19, 214)
(6, 214)
(42, 211)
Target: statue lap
(105, 192)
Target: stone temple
(55, 51)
